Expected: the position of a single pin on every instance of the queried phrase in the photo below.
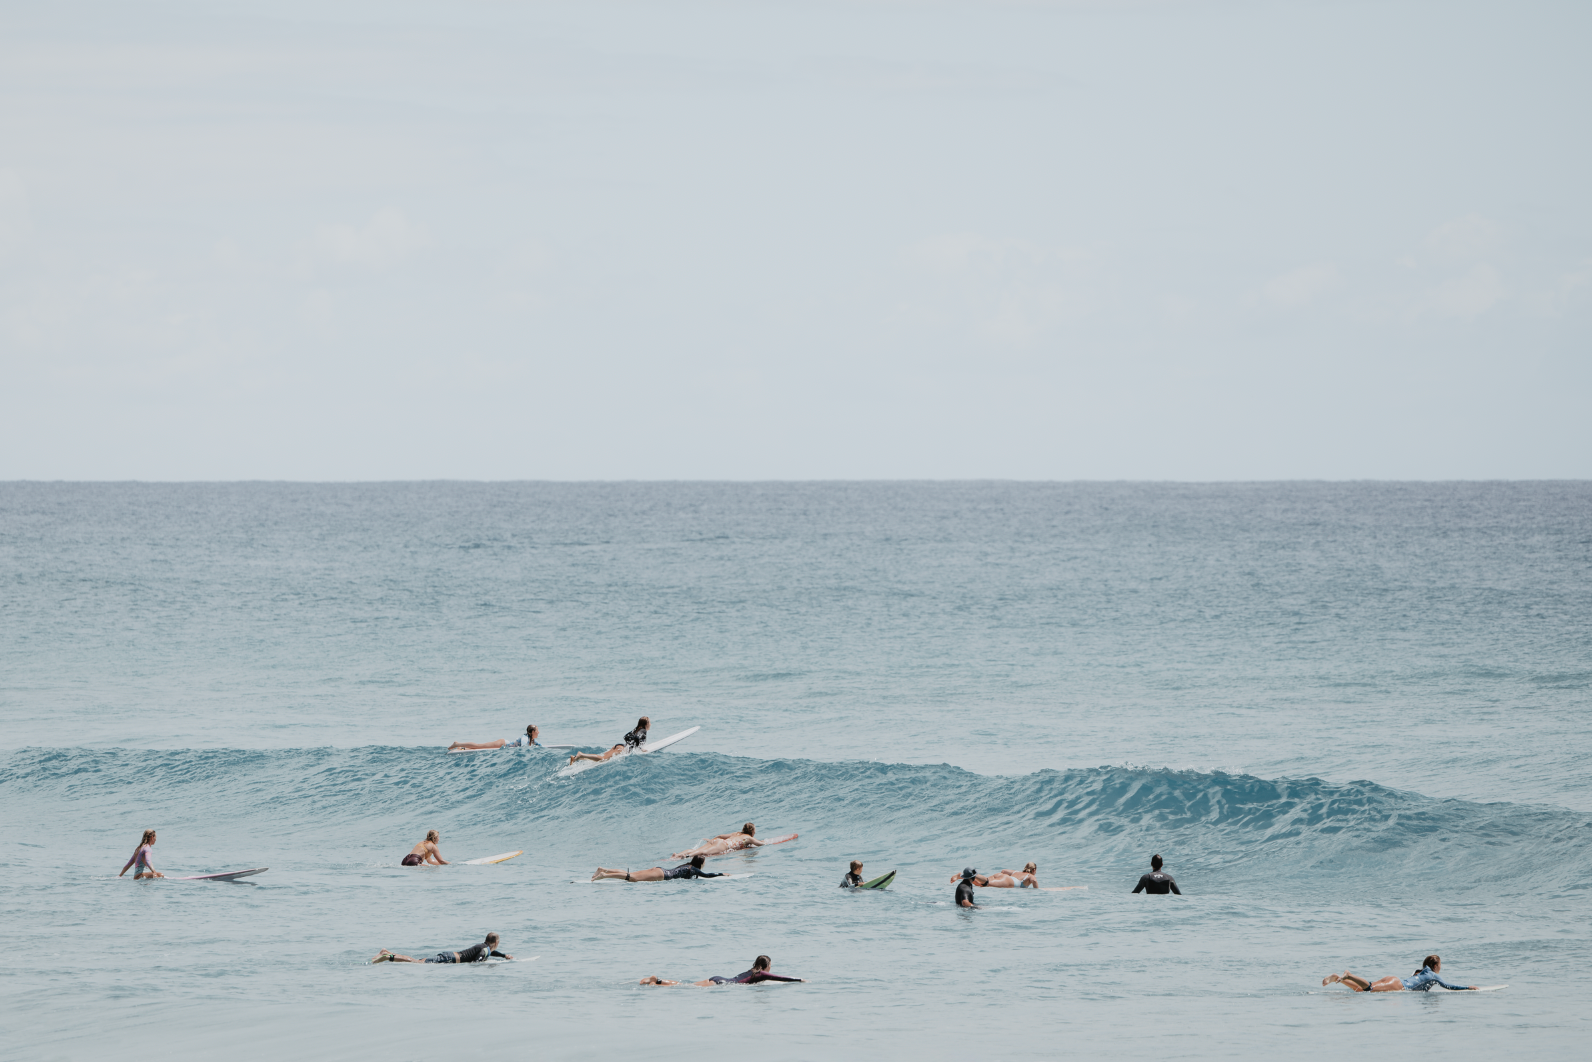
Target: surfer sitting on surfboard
(1421, 980)
(1026, 878)
(756, 975)
(692, 869)
(724, 842)
(853, 878)
(632, 741)
(475, 953)
(140, 859)
(426, 852)
(524, 741)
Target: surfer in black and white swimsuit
(632, 742)
(1155, 882)
(692, 869)
(475, 953)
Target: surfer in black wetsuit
(964, 890)
(759, 973)
(692, 869)
(632, 742)
(853, 879)
(475, 953)
(1155, 882)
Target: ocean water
(1353, 717)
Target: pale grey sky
(593, 240)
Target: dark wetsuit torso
(1158, 883)
(751, 977)
(686, 870)
(476, 953)
(851, 881)
(964, 891)
(636, 738)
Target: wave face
(1220, 833)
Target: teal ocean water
(1354, 718)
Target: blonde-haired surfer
(426, 852)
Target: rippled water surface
(1353, 717)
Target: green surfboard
(881, 882)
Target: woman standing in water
(1421, 980)
(140, 859)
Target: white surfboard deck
(652, 746)
(622, 881)
(231, 875)
(500, 858)
(500, 748)
(1488, 988)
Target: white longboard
(231, 875)
(500, 748)
(622, 881)
(502, 858)
(652, 746)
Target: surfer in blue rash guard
(1155, 882)
(756, 975)
(475, 953)
(1421, 980)
(692, 869)
(524, 741)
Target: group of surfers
(631, 742)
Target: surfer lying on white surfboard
(1026, 878)
(756, 975)
(526, 740)
(724, 842)
(1421, 980)
(474, 953)
(633, 741)
(692, 869)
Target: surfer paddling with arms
(759, 973)
(1421, 980)
(692, 869)
(1156, 883)
(632, 742)
(526, 740)
(724, 842)
(426, 852)
(475, 953)
(140, 859)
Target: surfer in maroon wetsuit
(426, 852)
(755, 976)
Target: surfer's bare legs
(656, 981)
(604, 873)
(499, 743)
(387, 956)
(610, 754)
(1362, 984)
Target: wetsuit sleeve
(1452, 988)
(497, 955)
(1176, 891)
(708, 873)
(1140, 886)
(762, 975)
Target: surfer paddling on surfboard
(692, 869)
(524, 741)
(1026, 878)
(632, 742)
(475, 953)
(724, 842)
(756, 975)
(426, 852)
(1421, 980)
(140, 859)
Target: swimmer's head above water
(749, 829)
(1031, 868)
(431, 835)
(968, 873)
(856, 866)
(1156, 861)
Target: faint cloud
(1473, 292)
(386, 239)
(1471, 238)
(1300, 287)
(1010, 290)
(15, 213)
